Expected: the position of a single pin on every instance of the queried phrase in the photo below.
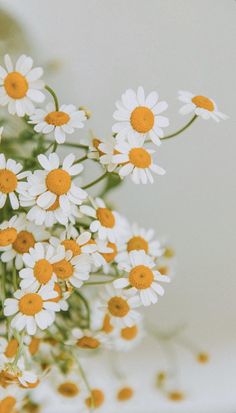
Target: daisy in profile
(126, 338)
(20, 86)
(10, 185)
(38, 263)
(139, 116)
(59, 122)
(106, 223)
(9, 231)
(31, 309)
(200, 105)
(137, 161)
(142, 279)
(86, 339)
(53, 186)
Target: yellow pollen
(34, 345)
(164, 270)
(106, 217)
(96, 143)
(203, 102)
(43, 271)
(176, 396)
(88, 343)
(57, 118)
(129, 333)
(55, 205)
(63, 269)
(96, 399)
(11, 348)
(118, 307)
(8, 181)
(125, 393)
(107, 326)
(68, 389)
(110, 256)
(24, 241)
(142, 119)
(7, 236)
(141, 277)
(58, 182)
(72, 246)
(140, 158)
(30, 304)
(137, 243)
(7, 405)
(203, 358)
(16, 85)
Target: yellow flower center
(58, 182)
(176, 396)
(63, 269)
(7, 404)
(68, 389)
(118, 307)
(24, 241)
(88, 343)
(57, 118)
(8, 181)
(163, 270)
(31, 304)
(142, 119)
(107, 326)
(110, 256)
(137, 243)
(96, 399)
(125, 393)
(16, 85)
(34, 345)
(43, 271)
(203, 102)
(55, 205)
(140, 158)
(106, 217)
(129, 333)
(202, 358)
(72, 246)
(58, 290)
(141, 277)
(11, 348)
(7, 236)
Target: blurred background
(92, 51)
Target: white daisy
(20, 86)
(142, 278)
(10, 175)
(9, 230)
(39, 265)
(26, 378)
(126, 338)
(200, 105)
(136, 161)
(11, 399)
(27, 235)
(60, 122)
(8, 349)
(139, 116)
(86, 339)
(103, 149)
(106, 222)
(31, 309)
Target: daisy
(60, 122)
(136, 161)
(39, 265)
(10, 175)
(9, 230)
(26, 378)
(120, 307)
(142, 279)
(18, 244)
(11, 399)
(96, 399)
(31, 309)
(126, 338)
(20, 86)
(106, 222)
(200, 105)
(139, 116)
(72, 270)
(9, 348)
(86, 339)
(53, 186)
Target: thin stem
(98, 282)
(14, 277)
(172, 135)
(84, 377)
(71, 144)
(81, 159)
(96, 181)
(55, 145)
(51, 91)
(86, 304)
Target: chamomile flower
(11, 399)
(86, 339)
(126, 338)
(142, 278)
(31, 309)
(72, 270)
(200, 105)
(60, 122)
(53, 186)
(26, 378)
(137, 161)
(105, 149)
(139, 116)
(106, 222)
(120, 307)
(10, 185)
(39, 265)
(9, 230)
(20, 86)
(9, 348)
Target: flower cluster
(74, 272)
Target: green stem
(71, 144)
(172, 135)
(81, 159)
(86, 304)
(96, 181)
(99, 282)
(14, 277)
(51, 91)
(84, 377)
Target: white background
(106, 46)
